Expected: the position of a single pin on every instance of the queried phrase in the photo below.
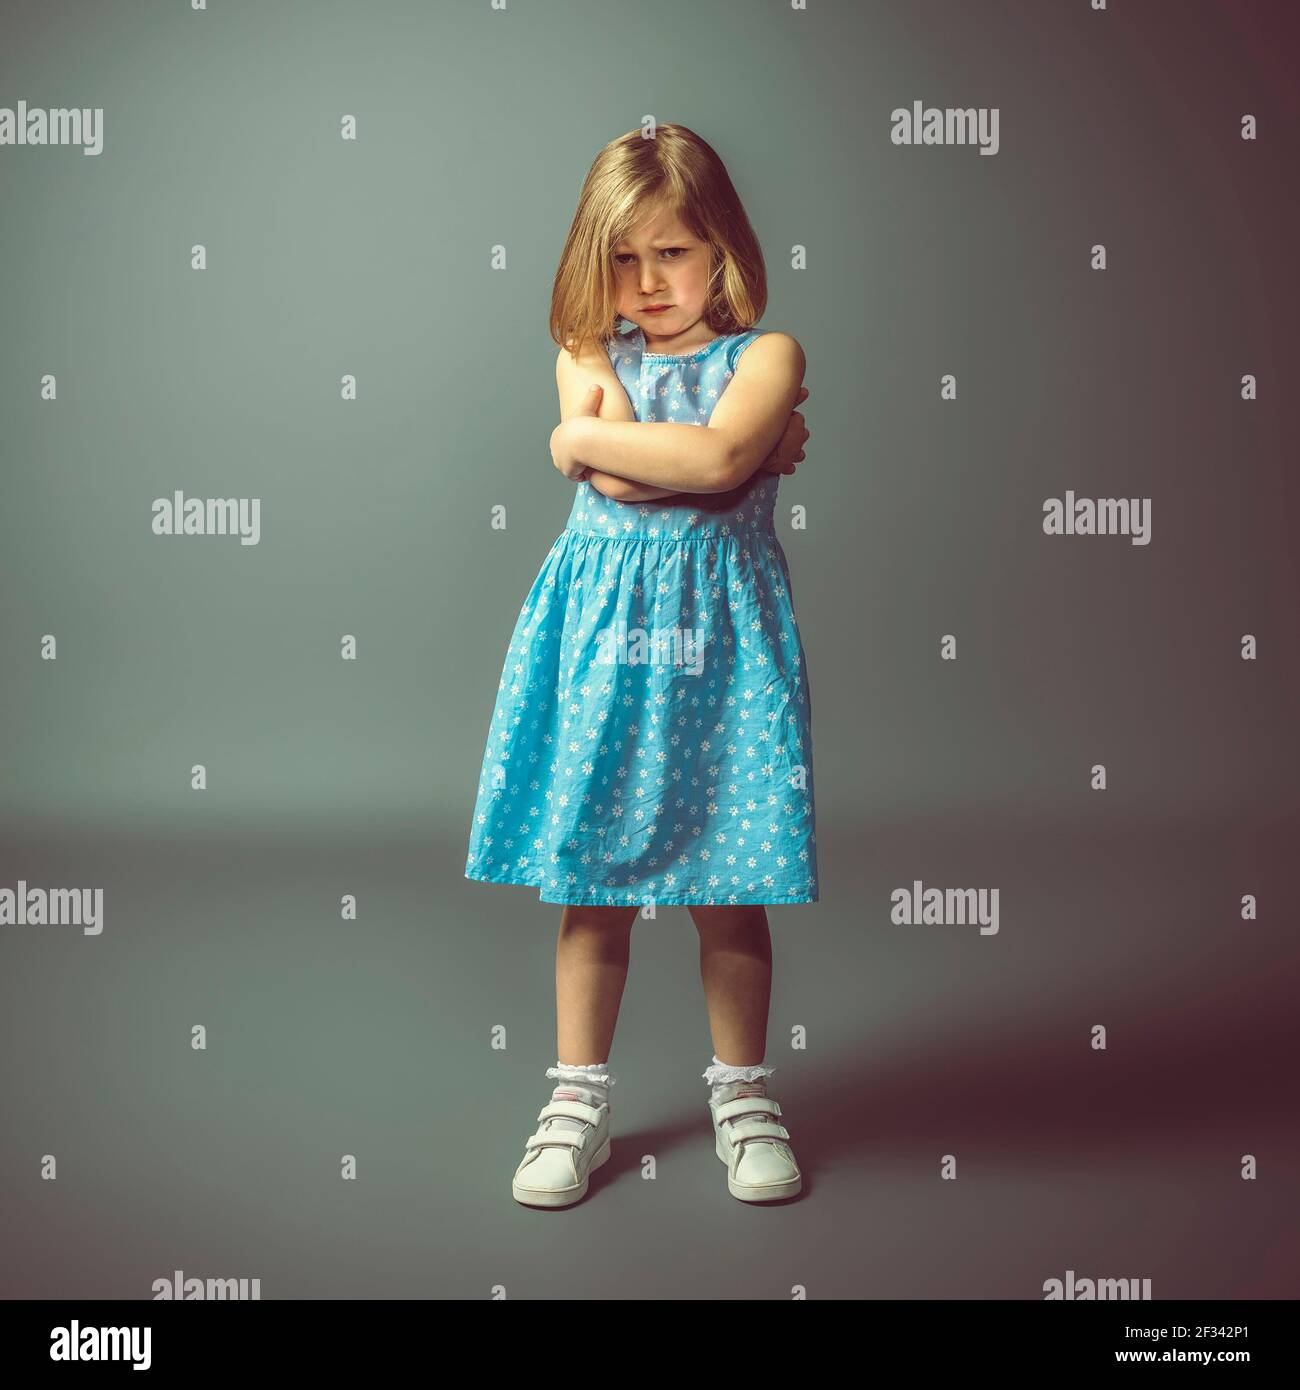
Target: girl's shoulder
(591, 359)
(774, 341)
(738, 342)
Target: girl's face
(661, 262)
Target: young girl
(651, 742)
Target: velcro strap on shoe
(562, 1138)
(755, 1129)
(747, 1105)
(574, 1109)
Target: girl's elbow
(615, 488)
(732, 467)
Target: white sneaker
(561, 1156)
(761, 1166)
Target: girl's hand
(562, 436)
(789, 449)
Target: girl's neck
(691, 339)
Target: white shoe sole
(760, 1192)
(560, 1196)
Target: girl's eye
(674, 251)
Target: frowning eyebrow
(667, 241)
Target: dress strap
(736, 348)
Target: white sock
(722, 1075)
(589, 1083)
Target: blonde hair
(630, 179)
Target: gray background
(373, 1037)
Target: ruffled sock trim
(599, 1072)
(720, 1073)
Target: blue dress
(652, 739)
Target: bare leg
(736, 969)
(591, 959)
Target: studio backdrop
(298, 257)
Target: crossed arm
(600, 440)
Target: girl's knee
(584, 916)
(740, 917)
